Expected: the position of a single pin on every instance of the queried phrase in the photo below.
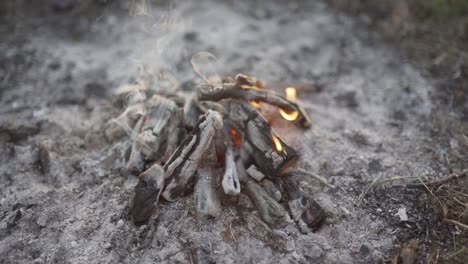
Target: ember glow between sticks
(216, 144)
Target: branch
(209, 92)
(438, 182)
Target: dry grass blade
(377, 182)
(457, 223)
(316, 176)
(453, 176)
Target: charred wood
(183, 163)
(147, 193)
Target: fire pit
(178, 146)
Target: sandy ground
(373, 119)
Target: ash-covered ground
(373, 119)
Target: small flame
(236, 137)
(245, 86)
(278, 145)
(255, 103)
(291, 95)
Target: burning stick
(270, 210)
(304, 209)
(183, 163)
(207, 202)
(147, 193)
(272, 155)
(243, 91)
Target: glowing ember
(236, 137)
(278, 145)
(291, 95)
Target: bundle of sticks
(179, 145)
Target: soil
(65, 199)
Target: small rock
(95, 89)
(63, 6)
(365, 250)
(191, 36)
(43, 158)
(313, 253)
(347, 99)
(374, 166)
(13, 218)
(42, 220)
(402, 214)
(119, 223)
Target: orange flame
(245, 86)
(236, 137)
(257, 85)
(277, 142)
(291, 95)
(254, 103)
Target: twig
(456, 253)
(367, 190)
(236, 91)
(437, 182)
(316, 176)
(376, 182)
(232, 234)
(457, 223)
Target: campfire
(215, 144)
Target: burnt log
(269, 209)
(147, 193)
(304, 209)
(182, 165)
(206, 199)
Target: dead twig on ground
(378, 182)
(453, 176)
(315, 176)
